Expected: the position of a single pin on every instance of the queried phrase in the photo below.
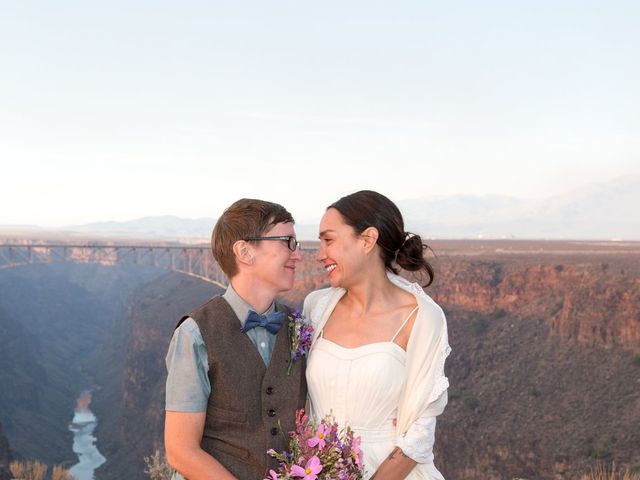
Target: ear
(244, 252)
(370, 238)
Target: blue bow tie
(271, 322)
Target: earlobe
(243, 252)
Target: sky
(119, 110)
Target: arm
(396, 466)
(416, 446)
(188, 389)
(182, 436)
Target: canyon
(544, 371)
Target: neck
(256, 295)
(369, 291)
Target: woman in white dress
(380, 343)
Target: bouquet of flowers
(321, 452)
(300, 336)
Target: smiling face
(342, 252)
(274, 265)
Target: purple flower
(300, 336)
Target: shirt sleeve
(188, 387)
(417, 443)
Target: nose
(297, 254)
(320, 255)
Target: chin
(285, 287)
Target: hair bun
(410, 255)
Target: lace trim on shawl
(443, 382)
(417, 443)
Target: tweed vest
(252, 406)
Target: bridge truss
(193, 260)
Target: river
(83, 424)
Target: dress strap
(405, 322)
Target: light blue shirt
(188, 387)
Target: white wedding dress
(362, 387)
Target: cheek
(347, 253)
(335, 252)
(285, 259)
(354, 260)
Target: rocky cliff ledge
(594, 302)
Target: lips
(330, 268)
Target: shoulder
(429, 341)
(212, 310)
(188, 332)
(213, 304)
(188, 327)
(430, 314)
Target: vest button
(274, 431)
(269, 390)
(271, 412)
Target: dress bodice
(358, 386)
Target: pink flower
(310, 470)
(273, 475)
(318, 439)
(356, 451)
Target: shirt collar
(240, 307)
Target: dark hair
(243, 219)
(367, 208)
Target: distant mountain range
(600, 211)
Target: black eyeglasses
(292, 243)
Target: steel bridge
(194, 260)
